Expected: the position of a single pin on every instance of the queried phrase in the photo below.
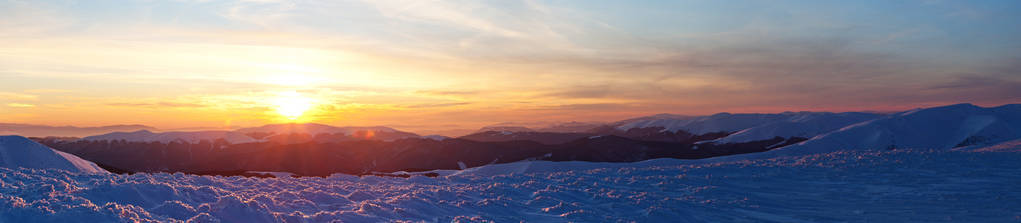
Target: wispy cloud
(20, 105)
(436, 105)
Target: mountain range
(28, 130)
(961, 126)
(315, 149)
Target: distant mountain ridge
(312, 132)
(29, 130)
(562, 127)
(722, 128)
(993, 124)
(281, 133)
(549, 138)
(166, 137)
(941, 128)
(724, 136)
(751, 127)
(313, 128)
(503, 128)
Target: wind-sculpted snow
(858, 186)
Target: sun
(291, 104)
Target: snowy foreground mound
(18, 151)
(892, 186)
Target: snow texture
(857, 186)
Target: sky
(455, 66)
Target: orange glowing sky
(442, 66)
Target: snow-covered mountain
(727, 122)
(654, 117)
(18, 151)
(561, 127)
(740, 128)
(948, 164)
(800, 124)
(946, 127)
(166, 137)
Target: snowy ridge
(758, 126)
(941, 128)
(166, 137)
(854, 186)
(18, 151)
(722, 122)
(804, 124)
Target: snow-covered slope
(751, 127)
(940, 128)
(18, 151)
(801, 124)
(166, 137)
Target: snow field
(857, 186)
